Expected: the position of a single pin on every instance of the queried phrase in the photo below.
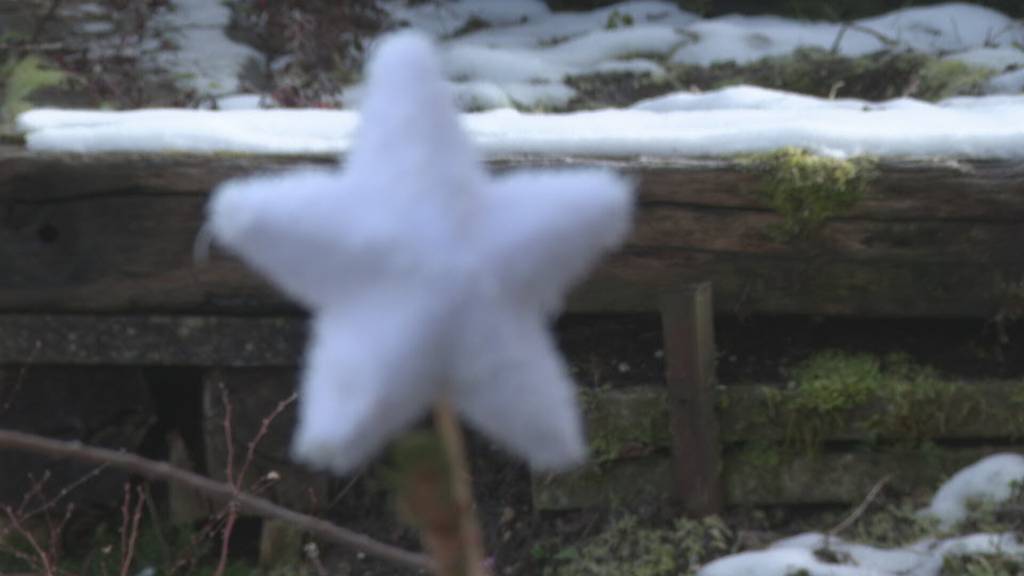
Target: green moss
(813, 71)
(21, 79)
(892, 524)
(626, 546)
(618, 20)
(807, 190)
(892, 396)
(617, 428)
(982, 565)
(940, 79)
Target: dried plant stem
(470, 541)
(215, 490)
(861, 508)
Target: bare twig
(861, 508)
(215, 490)
(229, 471)
(41, 24)
(250, 454)
(846, 26)
(130, 526)
(45, 562)
(225, 539)
(65, 491)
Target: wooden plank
(816, 285)
(752, 479)
(114, 233)
(962, 411)
(637, 420)
(687, 320)
(151, 340)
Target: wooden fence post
(689, 339)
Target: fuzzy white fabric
(426, 277)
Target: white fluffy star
(426, 277)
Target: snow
(949, 27)
(525, 43)
(869, 557)
(1008, 83)
(924, 558)
(528, 53)
(781, 562)
(729, 121)
(998, 59)
(203, 55)
(397, 329)
(746, 39)
(990, 480)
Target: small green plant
(617, 430)
(807, 189)
(618, 20)
(22, 78)
(940, 79)
(627, 546)
(982, 565)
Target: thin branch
(130, 526)
(250, 453)
(65, 491)
(45, 561)
(220, 491)
(859, 511)
(44, 20)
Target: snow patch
(524, 42)
(989, 480)
(725, 122)
(1008, 83)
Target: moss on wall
(806, 189)
(626, 546)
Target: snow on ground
(730, 121)
(521, 54)
(531, 46)
(988, 479)
(203, 56)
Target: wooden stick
(470, 538)
(219, 491)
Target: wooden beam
(687, 319)
(637, 420)
(752, 479)
(151, 340)
(114, 233)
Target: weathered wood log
(114, 233)
(151, 340)
(637, 420)
(760, 479)
(766, 460)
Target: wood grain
(114, 233)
